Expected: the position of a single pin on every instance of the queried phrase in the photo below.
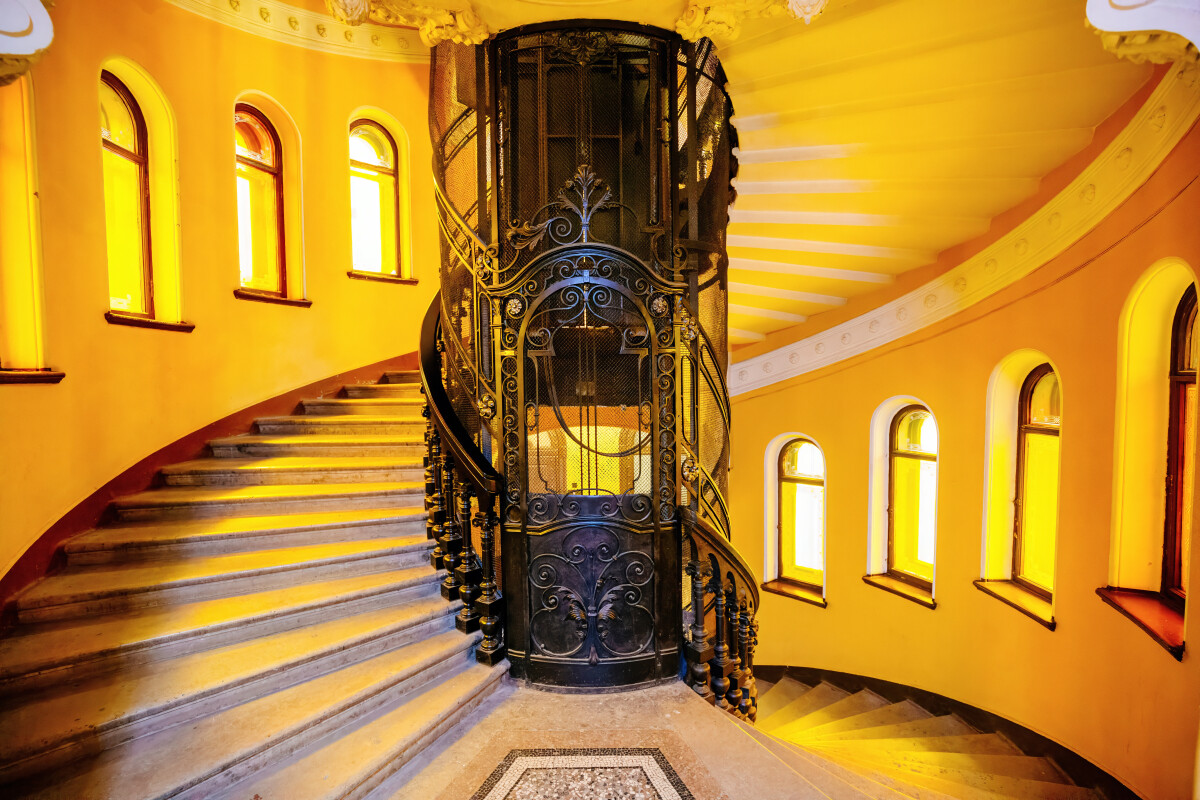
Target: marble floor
(661, 743)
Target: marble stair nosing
(352, 764)
(370, 390)
(945, 725)
(250, 445)
(216, 536)
(814, 699)
(195, 502)
(106, 712)
(400, 406)
(291, 470)
(972, 743)
(204, 758)
(1012, 766)
(339, 425)
(890, 714)
(131, 586)
(856, 704)
(401, 376)
(50, 654)
(779, 695)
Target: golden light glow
(125, 201)
(802, 513)
(914, 494)
(1038, 493)
(374, 207)
(584, 460)
(259, 256)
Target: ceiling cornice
(1108, 181)
(25, 35)
(1158, 31)
(282, 22)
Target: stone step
(409, 376)
(948, 725)
(192, 502)
(779, 695)
(352, 764)
(1013, 766)
(35, 657)
(967, 784)
(105, 712)
(891, 714)
(115, 589)
(409, 407)
(857, 703)
(205, 758)
(267, 446)
(814, 699)
(370, 390)
(981, 743)
(340, 425)
(145, 541)
(291, 469)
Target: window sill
(1014, 594)
(30, 376)
(796, 591)
(899, 588)
(381, 277)
(1151, 614)
(117, 318)
(262, 297)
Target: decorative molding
(25, 34)
(1125, 165)
(434, 24)
(281, 22)
(1159, 31)
(722, 19)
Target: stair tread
(125, 578)
(947, 725)
(53, 646)
(366, 401)
(73, 711)
(978, 743)
(182, 757)
(854, 705)
(345, 762)
(1013, 766)
(779, 695)
(341, 419)
(347, 439)
(210, 528)
(815, 698)
(180, 495)
(292, 463)
(891, 714)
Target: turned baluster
(734, 693)
(490, 604)
(744, 655)
(451, 539)
(469, 570)
(434, 498)
(722, 665)
(698, 649)
(753, 645)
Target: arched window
(1036, 512)
(259, 202)
(126, 199)
(912, 497)
(374, 200)
(1181, 444)
(802, 513)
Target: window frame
(1180, 377)
(1025, 427)
(142, 160)
(398, 272)
(781, 480)
(893, 454)
(275, 170)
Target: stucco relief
(433, 23)
(25, 34)
(1158, 31)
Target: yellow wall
(129, 391)
(1098, 684)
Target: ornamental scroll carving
(434, 24)
(1158, 31)
(25, 35)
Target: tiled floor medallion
(641, 773)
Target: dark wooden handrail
(708, 535)
(456, 440)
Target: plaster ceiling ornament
(434, 23)
(25, 35)
(722, 19)
(1158, 31)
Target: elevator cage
(583, 179)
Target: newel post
(490, 604)
(697, 648)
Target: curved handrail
(707, 534)
(473, 464)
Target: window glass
(802, 513)
(1038, 481)
(914, 495)
(126, 200)
(260, 224)
(1181, 447)
(374, 199)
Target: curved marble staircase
(264, 623)
(861, 745)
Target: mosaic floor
(584, 774)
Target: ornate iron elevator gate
(583, 185)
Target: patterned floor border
(650, 760)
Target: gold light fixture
(808, 10)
